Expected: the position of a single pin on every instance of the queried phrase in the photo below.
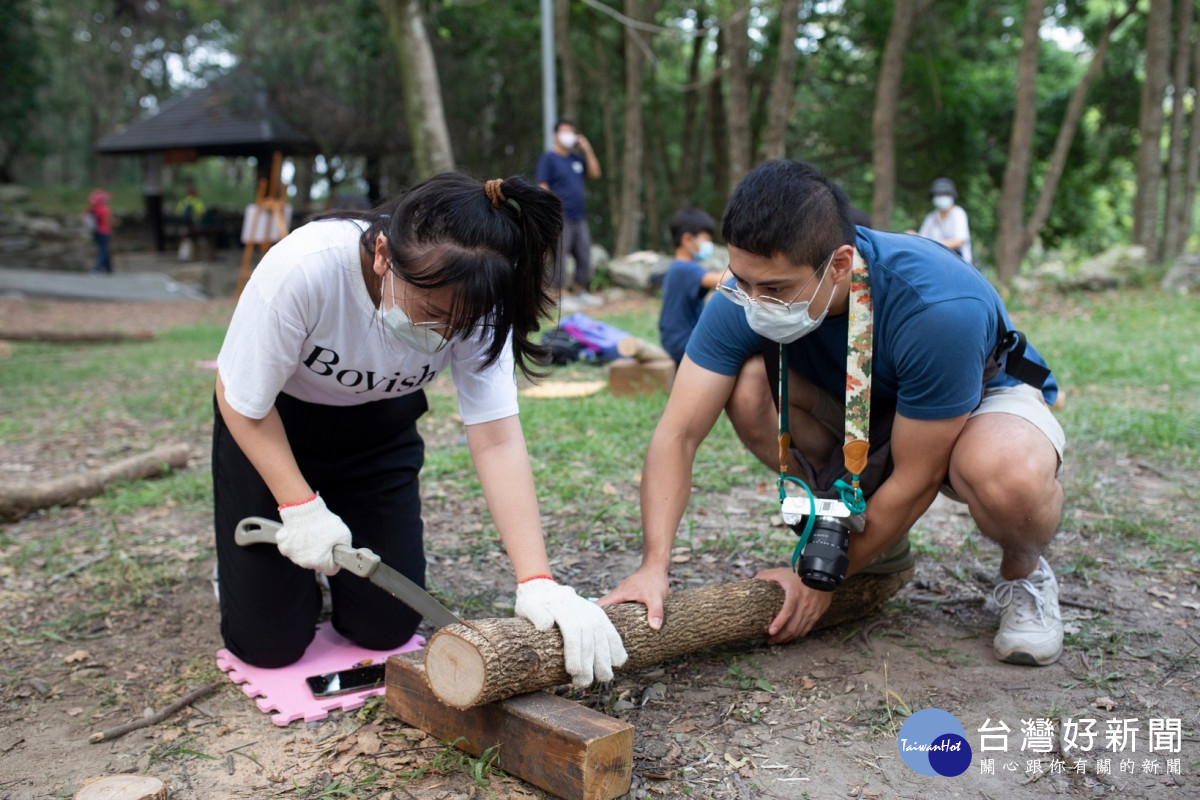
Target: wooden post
(491, 659)
(270, 200)
(567, 749)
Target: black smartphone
(346, 680)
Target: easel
(269, 204)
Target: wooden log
(642, 350)
(567, 749)
(18, 498)
(497, 658)
(626, 377)
(76, 337)
(123, 787)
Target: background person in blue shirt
(985, 439)
(562, 170)
(687, 282)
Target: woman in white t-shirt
(320, 383)
(947, 223)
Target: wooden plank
(553, 743)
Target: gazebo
(231, 116)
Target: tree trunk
(608, 121)
(1010, 213)
(432, 152)
(566, 60)
(492, 659)
(693, 134)
(629, 218)
(19, 498)
(1150, 122)
(1187, 212)
(783, 83)
(1172, 243)
(717, 118)
(1066, 135)
(883, 118)
(737, 48)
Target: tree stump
(492, 659)
(123, 787)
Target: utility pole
(549, 104)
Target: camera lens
(823, 563)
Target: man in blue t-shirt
(979, 435)
(562, 170)
(687, 282)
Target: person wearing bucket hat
(947, 222)
(99, 221)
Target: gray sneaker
(1031, 629)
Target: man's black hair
(691, 220)
(563, 121)
(788, 207)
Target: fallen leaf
(77, 656)
(368, 743)
(74, 712)
(736, 763)
(608, 488)
(1163, 593)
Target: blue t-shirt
(682, 302)
(936, 323)
(564, 175)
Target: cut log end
(462, 670)
(123, 787)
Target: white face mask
(422, 338)
(942, 201)
(704, 251)
(567, 139)
(786, 325)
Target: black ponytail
(498, 256)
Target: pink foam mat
(282, 692)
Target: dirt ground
(819, 718)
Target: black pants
(364, 460)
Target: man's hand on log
(591, 645)
(646, 586)
(802, 606)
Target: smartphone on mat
(347, 680)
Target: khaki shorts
(1022, 401)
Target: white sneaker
(1031, 629)
(568, 304)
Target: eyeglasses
(771, 305)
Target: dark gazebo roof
(232, 116)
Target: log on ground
(76, 337)
(19, 498)
(123, 787)
(567, 749)
(492, 659)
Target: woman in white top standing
(320, 384)
(947, 223)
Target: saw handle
(260, 530)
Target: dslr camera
(823, 562)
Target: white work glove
(591, 645)
(309, 533)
